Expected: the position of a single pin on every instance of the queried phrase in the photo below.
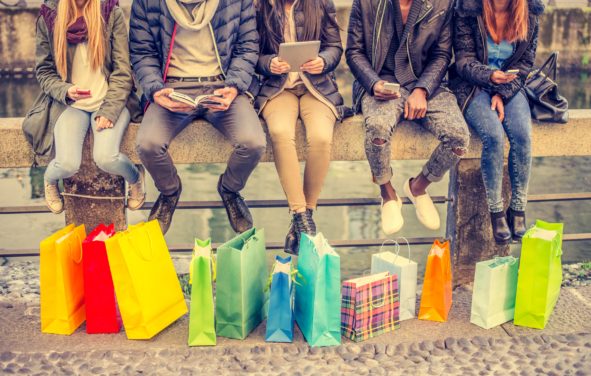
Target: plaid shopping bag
(370, 306)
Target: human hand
(315, 66)
(161, 97)
(382, 94)
(279, 66)
(103, 123)
(498, 106)
(75, 95)
(224, 96)
(499, 77)
(416, 105)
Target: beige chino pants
(281, 115)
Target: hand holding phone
(392, 87)
(82, 92)
(76, 94)
(512, 71)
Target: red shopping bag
(101, 308)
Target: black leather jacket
(428, 46)
(471, 71)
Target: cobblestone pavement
(417, 348)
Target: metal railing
(266, 204)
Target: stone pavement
(417, 348)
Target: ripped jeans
(444, 119)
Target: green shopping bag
(540, 275)
(493, 297)
(201, 317)
(240, 288)
(318, 292)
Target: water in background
(345, 180)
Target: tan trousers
(281, 115)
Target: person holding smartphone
(399, 52)
(197, 47)
(83, 66)
(308, 92)
(495, 47)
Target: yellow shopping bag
(61, 281)
(146, 285)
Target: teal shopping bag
(318, 292)
(540, 275)
(240, 288)
(493, 297)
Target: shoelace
(234, 206)
(303, 225)
(166, 202)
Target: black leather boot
(300, 223)
(500, 228)
(516, 221)
(237, 210)
(164, 208)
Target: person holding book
(308, 92)
(83, 67)
(495, 47)
(405, 44)
(197, 47)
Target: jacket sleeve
(467, 64)
(356, 52)
(45, 70)
(143, 49)
(439, 58)
(524, 64)
(264, 64)
(246, 50)
(331, 48)
(120, 80)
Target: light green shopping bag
(240, 288)
(318, 292)
(201, 317)
(540, 275)
(493, 297)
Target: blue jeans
(69, 133)
(517, 126)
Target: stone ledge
(410, 141)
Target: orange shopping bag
(436, 296)
(61, 281)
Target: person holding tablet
(83, 67)
(495, 47)
(197, 48)
(399, 52)
(309, 92)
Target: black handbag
(545, 101)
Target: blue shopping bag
(280, 318)
(318, 292)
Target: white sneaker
(136, 195)
(392, 220)
(426, 211)
(53, 198)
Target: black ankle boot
(300, 223)
(516, 222)
(500, 228)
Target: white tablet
(298, 53)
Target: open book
(201, 100)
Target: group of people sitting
(399, 51)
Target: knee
(520, 139)
(104, 161)
(281, 135)
(376, 135)
(322, 142)
(150, 147)
(253, 146)
(494, 142)
(460, 142)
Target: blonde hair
(66, 16)
(517, 24)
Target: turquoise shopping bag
(540, 275)
(240, 288)
(493, 297)
(318, 292)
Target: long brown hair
(517, 23)
(66, 16)
(271, 21)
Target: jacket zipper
(412, 69)
(217, 54)
(167, 61)
(378, 28)
(485, 57)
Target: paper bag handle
(79, 260)
(395, 241)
